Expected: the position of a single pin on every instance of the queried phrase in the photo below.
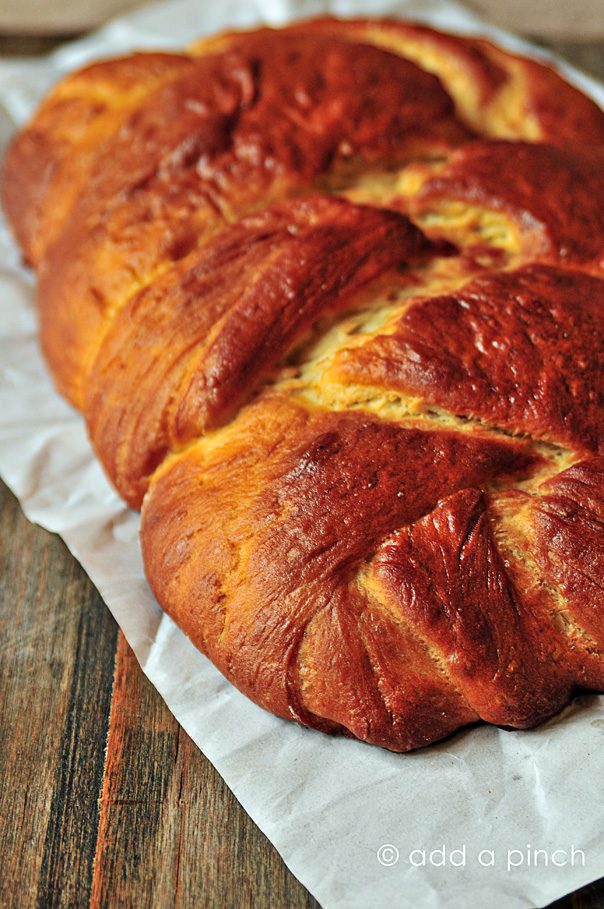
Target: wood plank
(552, 19)
(58, 646)
(171, 831)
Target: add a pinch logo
(460, 856)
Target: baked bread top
(331, 300)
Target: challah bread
(331, 300)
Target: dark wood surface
(104, 800)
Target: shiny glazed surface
(329, 299)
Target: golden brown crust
(330, 299)
(523, 353)
(216, 324)
(556, 199)
(229, 133)
(48, 162)
(280, 522)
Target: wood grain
(58, 644)
(105, 801)
(170, 830)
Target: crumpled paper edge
(328, 805)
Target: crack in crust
(330, 299)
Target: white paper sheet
(455, 825)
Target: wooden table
(105, 801)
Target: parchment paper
(455, 825)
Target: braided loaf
(331, 300)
